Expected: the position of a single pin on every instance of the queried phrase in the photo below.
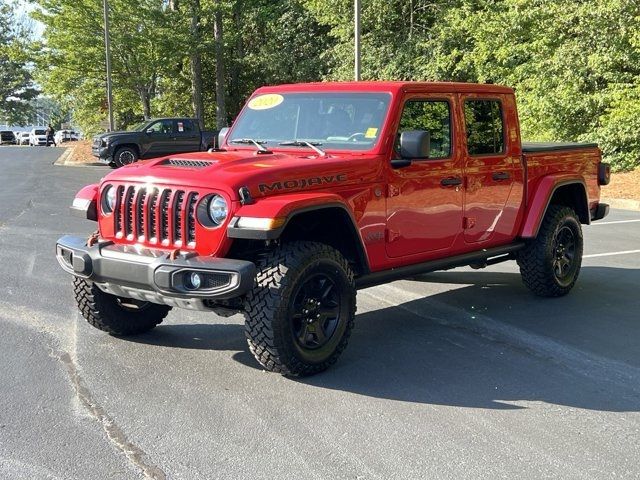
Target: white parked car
(38, 136)
(22, 138)
(62, 136)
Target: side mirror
(149, 131)
(414, 144)
(221, 135)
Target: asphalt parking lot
(457, 374)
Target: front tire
(550, 264)
(125, 156)
(116, 315)
(301, 311)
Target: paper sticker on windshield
(371, 133)
(263, 102)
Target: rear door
(424, 204)
(489, 170)
(187, 135)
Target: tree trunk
(196, 65)
(221, 109)
(235, 99)
(145, 97)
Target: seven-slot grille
(156, 215)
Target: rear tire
(301, 311)
(116, 315)
(125, 156)
(550, 264)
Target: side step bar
(484, 256)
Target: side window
(433, 116)
(485, 127)
(163, 126)
(185, 126)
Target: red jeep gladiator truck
(319, 190)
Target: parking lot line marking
(625, 252)
(617, 221)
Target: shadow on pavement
(397, 355)
(599, 316)
(195, 336)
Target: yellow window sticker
(263, 102)
(371, 133)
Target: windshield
(138, 127)
(40, 132)
(343, 121)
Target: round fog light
(195, 281)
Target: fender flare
(85, 203)
(545, 190)
(288, 206)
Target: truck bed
(535, 147)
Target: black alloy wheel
(301, 311)
(316, 311)
(125, 156)
(550, 263)
(564, 255)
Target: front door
(160, 138)
(424, 204)
(489, 171)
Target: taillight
(604, 173)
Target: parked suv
(322, 189)
(38, 137)
(7, 137)
(22, 138)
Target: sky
(22, 9)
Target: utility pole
(357, 38)
(108, 55)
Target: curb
(62, 159)
(622, 203)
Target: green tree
(16, 83)
(575, 65)
(145, 36)
(392, 32)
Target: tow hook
(93, 238)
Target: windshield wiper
(304, 143)
(251, 141)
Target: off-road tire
(270, 309)
(125, 156)
(538, 261)
(104, 311)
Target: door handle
(451, 181)
(500, 176)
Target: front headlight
(218, 209)
(108, 199)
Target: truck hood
(119, 134)
(262, 174)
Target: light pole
(357, 38)
(107, 49)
